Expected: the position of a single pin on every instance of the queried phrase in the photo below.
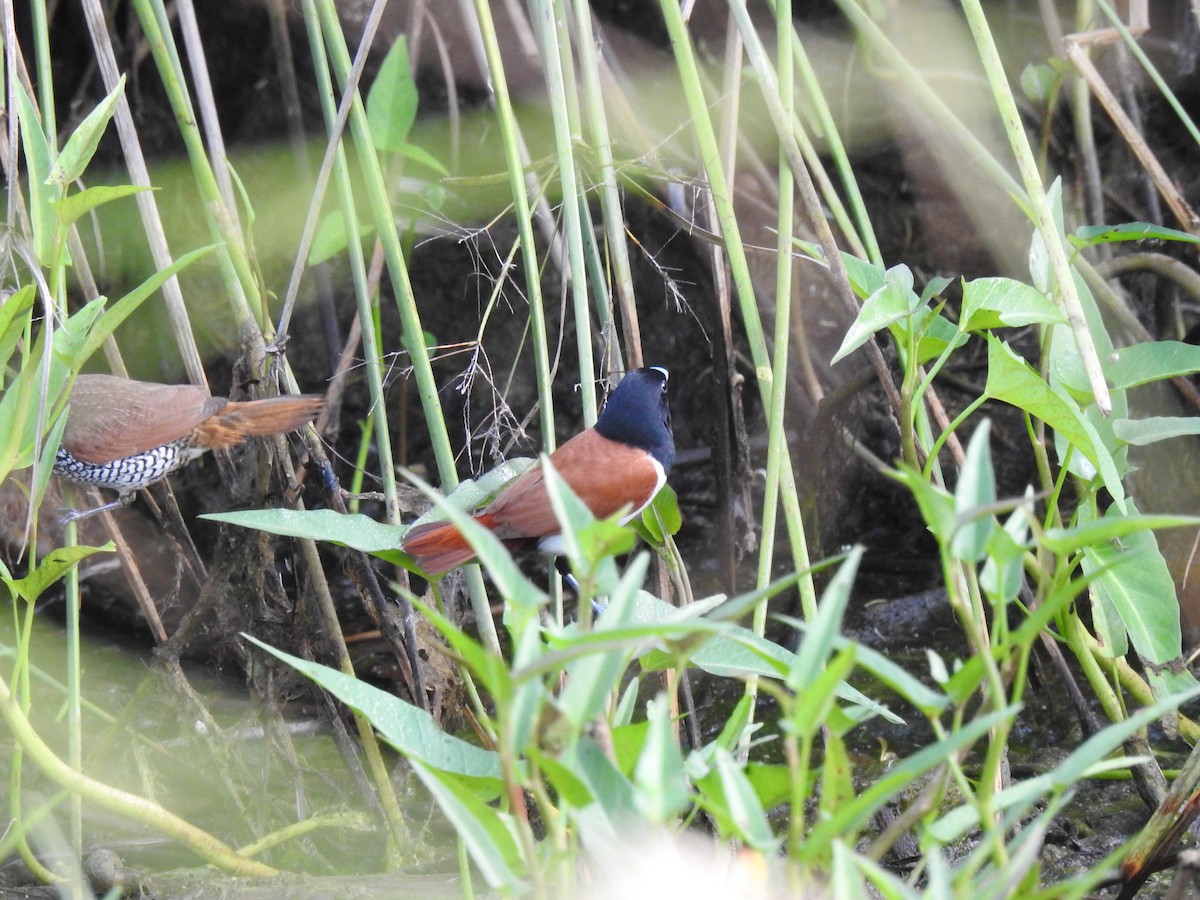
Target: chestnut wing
(606, 475)
(111, 418)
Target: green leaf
(1014, 381)
(614, 808)
(37, 161)
(865, 278)
(660, 786)
(52, 567)
(81, 145)
(817, 645)
(1132, 575)
(746, 814)
(661, 517)
(891, 303)
(411, 731)
(1155, 428)
(1039, 82)
(1070, 540)
(473, 493)
(1150, 361)
(1091, 235)
(976, 488)
(392, 100)
(592, 678)
(13, 321)
(425, 158)
(1006, 302)
(1002, 572)
(347, 530)
(74, 206)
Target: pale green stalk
(41, 41)
(74, 693)
(239, 278)
(610, 195)
(373, 364)
(135, 161)
(555, 60)
(381, 212)
(1140, 55)
(864, 230)
(1043, 215)
(510, 140)
(739, 269)
(406, 303)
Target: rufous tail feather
(274, 415)
(438, 547)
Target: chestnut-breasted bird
(619, 463)
(126, 435)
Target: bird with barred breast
(126, 435)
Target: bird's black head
(637, 414)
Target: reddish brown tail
(438, 547)
(275, 415)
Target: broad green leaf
(567, 784)
(1155, 428)
(660, 786)
(72, 207)
(976, 488)
(937, 335)
(745, 813)
(13, 320)
(1013, 381)
(1112, 527)
(348, 530)
(661, 516)
(473, 493)
(425, 158)
(37, 162)
(52, 567)
(936, 505)
(817, 646)
(1136, 582)
(411, 731)
(1153, 361)
(614, 808)
(865, 278)
(81, 145)
(392, 100)
(892, 302)
(1091, 235)
(1006, 302)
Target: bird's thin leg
(78, 515)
